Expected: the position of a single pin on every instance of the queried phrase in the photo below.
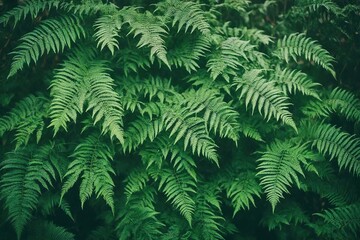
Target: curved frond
(48, 230)
(92, 164)
(186, 14)
(178, 188)
(151, 31)
(345, 103)
(315, 5)
(51, 35)
(292, 81)
(297, 44)
(330, 140)
(107, 30)
(30, 7)
(279, 168)
(26, 174)
(263, 95)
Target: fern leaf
(265, 96)
(279, 168)
(292, 81)
(225, 61)
(185, 14)
(241, 190)
(26, 173)
(151, 32)
(344, 102)
(178, 188)
(107, 30)
(26, 118)
(188, 51)
(297, 44)
(345, 219)
(83, 79)
(51, 35)
(92, 164)
(48, 230)
(135, 182)
(330, 140)
(314, 6)
(30, 7)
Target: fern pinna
(178, 120)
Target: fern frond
(186, 14)
(92, 164)
(225, 61)
(317, 109)
(51, 35)
(26, 173)
(219, 116)
(107, 30)
(83, 79)
(292, 81)
(139, 219)
(330, 140)
(345, 103)
(279, 168)
(253, 35)
(241, 189)
(151, 32)
(178, 188)
(238, 5)
(314, 6)
(48, 230)
(192, 130)
(297, 44)
(49, 202)
(188, 51)
(345, 219)
(262, 94)
(26, 118)
(132, 59)
(135, 182)
(30, 7)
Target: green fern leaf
(297, 44)
(315, 5)
(48, 230)
(292, 81)
(178, 188)
(107, 30)
(269, 100)
(345, 103)
(92, 164)
(345, 219)
(186, 14)
(51, 35)
(330, 140)
(83, 79)
(279, 168)
(30, 7)
(151, 32)
(26, 173)
(241, 189)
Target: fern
(84, 79)
(48, 230)
(107, 29)
(330, 140)
(265, 96)
(292, 81)
(92, 164)
(297, 44)
(26, 118)
(186, 14)
(241, 189)
(26, 174)
(151, 32)
(178, 188)
(225, 61)
(279, 168)
(52, 35)
(314, 6)
(345, 103)
(31, 7)
(344, 219)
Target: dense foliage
(208, 119)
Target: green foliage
(179, 119)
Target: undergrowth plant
(179, 120)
